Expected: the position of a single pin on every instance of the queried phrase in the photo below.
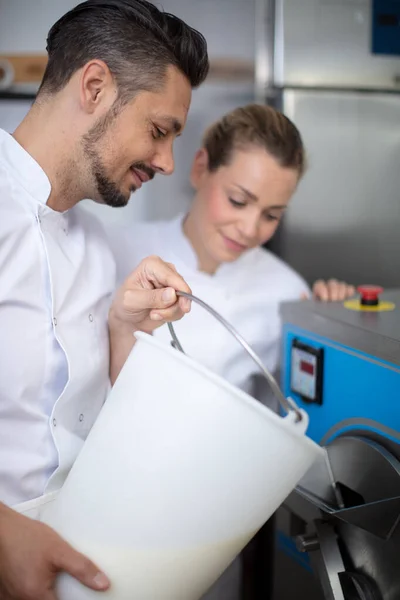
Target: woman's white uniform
(246, 292)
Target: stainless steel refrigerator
(333, 67)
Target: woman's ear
(199, 168)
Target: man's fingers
(174, 313)
(185, 304)
(80, 567)
(135, 300)
(140, 299)
(163, 275)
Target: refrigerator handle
(279, 44)
(268, 50)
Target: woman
(244, 175)
(247, 170)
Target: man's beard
(107, 190)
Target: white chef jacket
(246, 292)
(57, 275)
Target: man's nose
(164, 162)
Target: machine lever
(337, 583)
(327, 561)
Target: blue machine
(343, 367)
(341, 364)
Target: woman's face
(239, 206)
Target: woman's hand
(331, 290)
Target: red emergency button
(369, 294)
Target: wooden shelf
(20, 75)
(25, 68)
(24, 73)
(230, 69)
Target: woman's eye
(158, 133)
(237, 203)
(269, 217)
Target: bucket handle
(287, 404)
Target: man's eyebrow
(174, 123)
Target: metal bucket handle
(287, 404)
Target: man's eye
(158, 133)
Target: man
(114, 96)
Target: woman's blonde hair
(255, 125)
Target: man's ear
(97, 86)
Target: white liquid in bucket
(176, 574)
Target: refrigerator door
(329, 43)
(344, 220)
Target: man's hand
(31, 556)
(331, 291)
(146, 300)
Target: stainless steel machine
(341, 363)
(333, 67)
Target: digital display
(306, 372)
(307, 367)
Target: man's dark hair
(134, 38)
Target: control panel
(306, 371)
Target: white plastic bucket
(178, 473)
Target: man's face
(126, 149)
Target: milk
(150, 574)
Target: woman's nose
(249, 226)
